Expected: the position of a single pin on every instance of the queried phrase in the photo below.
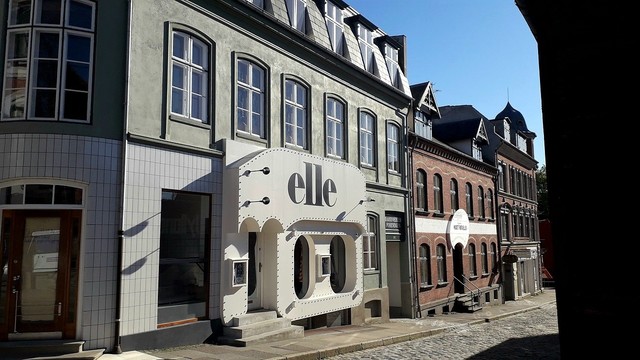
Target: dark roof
(456, 130)
(451, 113)
(418, 90)
(517, 120)
(424, 99)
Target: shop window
(370, 244)
(185, 223)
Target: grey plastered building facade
(181, 95)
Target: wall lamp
(367, 199)
(265, 200)
(265, 170)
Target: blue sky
(475, 52)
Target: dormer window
(335, 26)
(365, 39)
(521, 143)
(391, 55)
(297, 10)
(423, 126)
(477, 152)
(507, 131)
(257, 3)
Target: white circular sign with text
(458, 228)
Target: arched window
(485, 258)
(393, 148)
(425, 265)
(492, 212)
(335, 122)
(481, 210)
(453, 183)
(504, 223)
(250, 99)
(469, 197)
(296, 126)
(189, 77)
(494, 257)
(421, 193)
(367, 127)
(472, 260)
(370, 244)
(437, 194)
(441, 259)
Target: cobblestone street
(529, 335)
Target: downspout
(413, 245)
(498, 208)
(117, 348)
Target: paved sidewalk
(321, 343)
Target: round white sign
(458, 228)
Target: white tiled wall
(149, 170)
(96, 163)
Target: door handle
(59, 311)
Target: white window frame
(370, 245)
(297, 10)
(335, 27)
(366, 125)
(335, 113)
(255, 98)
(365, 39)
(190, 69)
(391, 54)
(296, 124)
(393, 148)
(29, 66)
(425, 266)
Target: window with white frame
(335, 128)
(297, 10)
(370, 244)
(485, 258)
(295, 100)
(425, 265)
(494, 257)
(365, 39)
(423, 125)
(469, 199)
(251, 99)
(453, 184)
(438, 205)
(335, 26)
(48, 63)
(393, 148)
(481, 209)
(472, 260)
(367, 144)
(502, 176)
(477, 152)
(441, 262)
(189, 77)
(421, 192)
(391, 55)
(504, 223)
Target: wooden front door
(39, 256)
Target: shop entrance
(39, 258)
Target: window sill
(366, 166)
(474, 277)
(394, 173)
(482, 219)
(438, 214)
(422, 212)
(484, 275)
(471, 218)
(186, 121)
(442, 284)
(371, 271)
(426, 287)
(492, 220)
(244, 135)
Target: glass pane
(197, 55)
(242, 120)
(179, 46)
(196, 107)
(75, 105)
(80, 15)
(177, 102)
(288, 90)
(178, 76)
(20, 12)
(12, 195)
(243, 72)
(256, 102)
(258, 75)
(243, 100)
(39, 194)
(77, 77)
(67, 195)
(13, 104)
(184, 234)
(50, 12)
(39, 277)
(197, 83)
(300, 96)
(48, 44)
(44, 104)
(256, 125)
(18, 46)
(78, 48)
(16, 74)
(46, 73)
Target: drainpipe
(412, 231)
(117, 348)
